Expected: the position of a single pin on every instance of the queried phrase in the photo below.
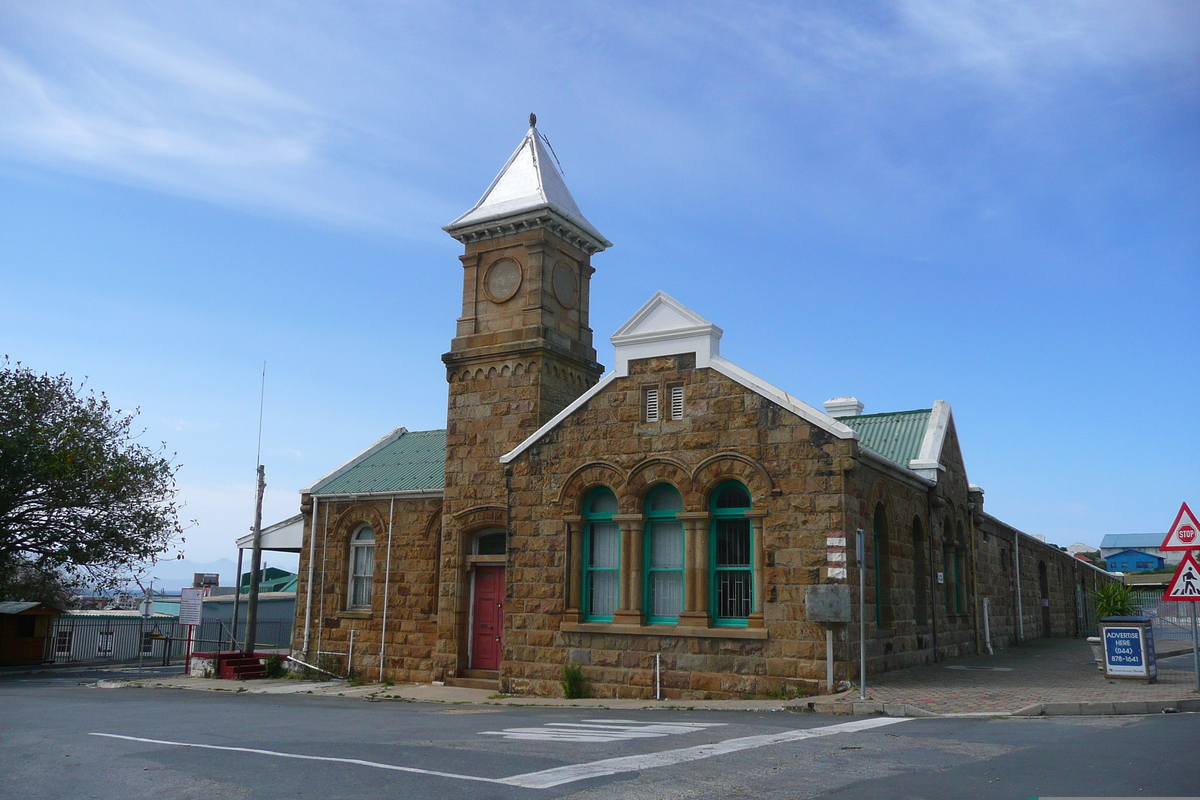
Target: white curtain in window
(363, 572)
(604, 562)
(666, 569)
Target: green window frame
(731, 556)
(601, 556)
(664, 544)
(948, 576)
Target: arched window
(362, 566)
(948, 564)
(883, 568)
(960, 574)
(732, 581)
(602, 556)
(920, 574)
(492, 542)
(664, 555)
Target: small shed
(25, 632)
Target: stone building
(677, 512)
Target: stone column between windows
(696, 525)
(574, 569)
(758, 567)
(632, 558)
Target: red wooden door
(487, 634)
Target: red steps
(241, 666)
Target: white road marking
(549, 778)
(360, 762)
(600, 730)
(557, 776)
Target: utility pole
(255, 565)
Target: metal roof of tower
(528, 183)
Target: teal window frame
(714, 571)
(589, 571)
(948, 576)
(649, 570)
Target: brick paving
(1046, 671)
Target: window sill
(729, 632)
(355, 614)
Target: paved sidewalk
(1046, 677)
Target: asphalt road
(60, 740)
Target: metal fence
(1172, 620)
(155, 640)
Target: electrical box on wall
(941, 577)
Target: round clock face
(503, 279)
(566, 285)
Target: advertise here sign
(1129, 651)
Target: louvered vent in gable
(652, 405)
(676, 402)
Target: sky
(989, 203)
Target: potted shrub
(1112, 600)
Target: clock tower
(522, 352)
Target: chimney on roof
(843, 407)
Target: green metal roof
(416, 460)
(894, 435)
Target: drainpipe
(387, 574)
(312, 551)
(324, 551)
(974, 507)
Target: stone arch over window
(643, 477)
(585, 478)
(712, 471)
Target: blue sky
(994, 204)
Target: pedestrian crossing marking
(601, 730)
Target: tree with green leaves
(81, 501)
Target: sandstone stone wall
(410, 576)
(728, 432)
(1069, 582)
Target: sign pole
(1195, 650)
(862, 616)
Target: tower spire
(528, 191)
